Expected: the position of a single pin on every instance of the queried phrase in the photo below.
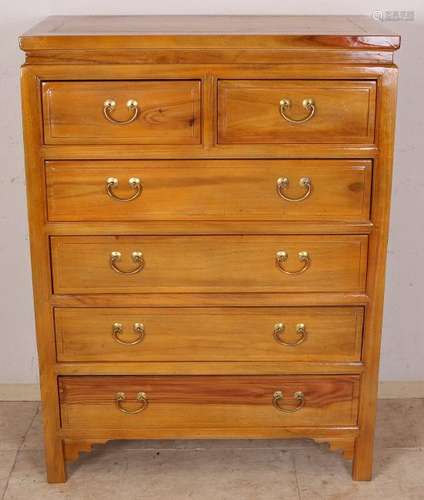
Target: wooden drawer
(84, 264)
(249, 111)
(167, 112)
(89, 402)
(209, 334)
(208, 189)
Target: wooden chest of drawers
(208, 206)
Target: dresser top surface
(91, 32)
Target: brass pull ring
(117, 331)
(279, 330)
(303, 256)
(283, 183)
(134, 182)
(141, 397)
(278, 397)
(308, 104)
(110, 104)
(137, 258)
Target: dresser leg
(363, 459)
(55, 462)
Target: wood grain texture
(249, 112)
(40, 264)
(210, 334)
(209, 190)
(209, 368)
(76, 32)
(287, 299)
(208, 264)
(382, 186)
(207, 401)
(220, 55)
(210, 233)
(169, 112)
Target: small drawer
(209, 334)
(315, 190)
(132, 112)
(154, 264)
(296, 111)
(138, 402)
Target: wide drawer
(199, 189)
(127, 112)
(135, 264)
(111, 402)
(209, 334)
(296, 111)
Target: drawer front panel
(209, 334)
(250, 112)
(131, 264)
(90, 402)
(164, 112)
(214, 190)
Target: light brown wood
(117, 32)
(168, 112)
(210, 334)
(208, 190)
(219, 227)
(73, 448)
(209, 144)
(207, 401)
(249, 112)
(208, 264)
(209, 368)
(382, 184)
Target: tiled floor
(218, 470)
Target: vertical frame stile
(382, 181)
(40, 259)
(208, 110)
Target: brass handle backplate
(308, 104)
(304, 257)
(278, 397)
(134, 182)
(109, 106)
(279, 329)
(283, 184)
(117, 331)
(121, 397)
(137, 258)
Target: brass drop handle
(117, 331)
(121, 397)
(304, 257)
(137, 258)
(283, 184)
(308, 104)
(278, 397)
(134, 182)
(109, 106)
(279, 329)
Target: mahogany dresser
(208, 206)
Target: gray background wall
(403, 341)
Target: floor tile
(7, 459)
(399, 423)
(15, 419)
(399, 475)
(34, 437)
(264, 474)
